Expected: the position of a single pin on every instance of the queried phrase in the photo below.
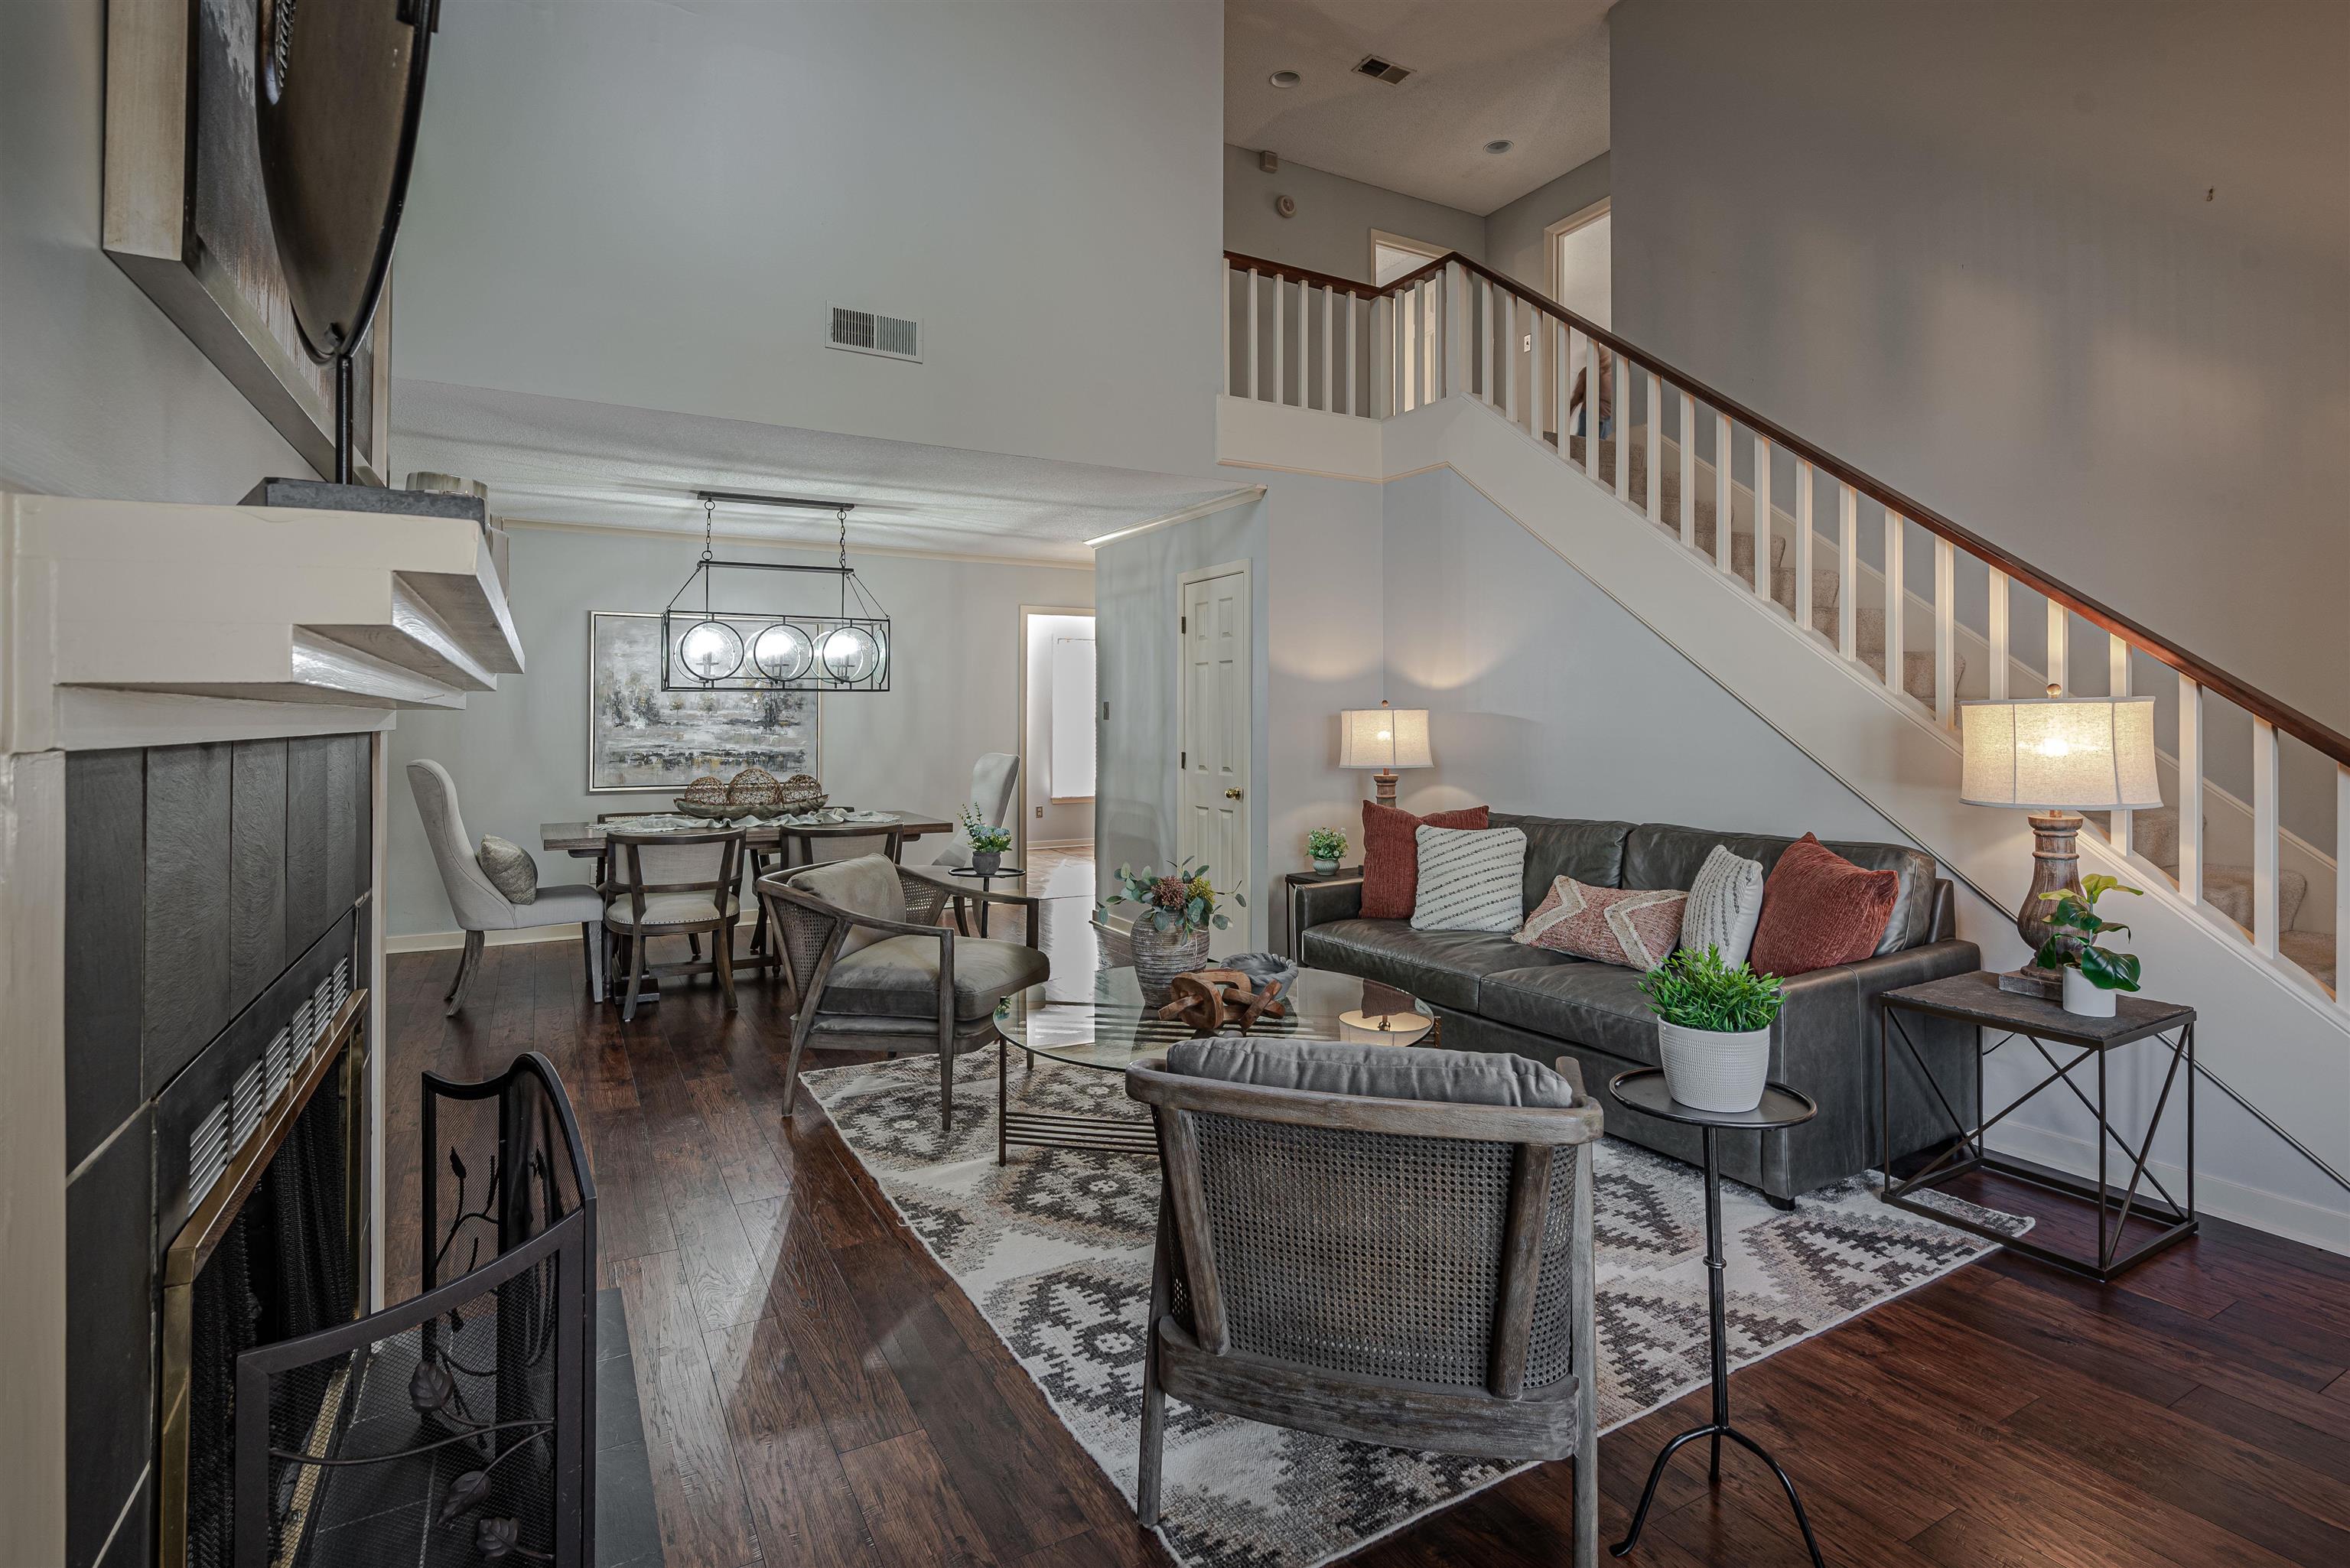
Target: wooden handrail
(2288, 718)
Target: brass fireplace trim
(345, 1051)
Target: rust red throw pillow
(1392, 855)
(1820, 909)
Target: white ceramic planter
(1326, 868)
(1159, 956)
(1713, 1071)
(2085, 997)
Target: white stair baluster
(1689, 473)
(1280, 341)
(1253, 391)
(2342, 886)
(1995, 634)
(1895, 596)
(1619, 422)
(1761, 517)
(2190, 791)
(1537, 374)
(1724, 497)
(1427, 303)
(1848, 573)
(1456, 327)
(1329, 308)
(1578, 356)
(1946, 635)
(2264, 838)
(1656, 471)
(1227, 377)
(2060, 635)
(1350, 352)
(1561, 390)
(1505, 352)
(2117, 678)
(1803, 489)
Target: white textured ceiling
(1532, 72)
(559, 460)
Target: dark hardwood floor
(816, 1391)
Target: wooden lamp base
(1385, 781)
(2055, 865)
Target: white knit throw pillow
(1470, 878)
(1725, 903)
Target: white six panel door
(1212, 801)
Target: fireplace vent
(227, 1126)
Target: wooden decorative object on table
(1212, 999)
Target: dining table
(771, 846)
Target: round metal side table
(986, 881)
(1644, 1090)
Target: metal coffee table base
(1719, 1427)
(1045, 1129)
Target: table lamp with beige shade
(1385, 739)
(2056, 756)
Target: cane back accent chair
(674, 885)
(874, 970)
(1375, 1242)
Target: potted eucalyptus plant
(2093, 974)
(1178, 911)
(1713, 1022)
(1324, 846)
(988, 842)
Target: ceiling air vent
(869, 332)
(1385, 70)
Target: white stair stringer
(2265, 1029)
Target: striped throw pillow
(1469, 878)
(1725, 903)
(1634, 927)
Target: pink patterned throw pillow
(1636, 928)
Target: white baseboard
(450, 941)
(2262, 1211)
(1060, 843)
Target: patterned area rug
(1055, 1248)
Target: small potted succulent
(1713, 1021)
(988, 842)
(2092, 974)
(1170, 933)
(1324, 846)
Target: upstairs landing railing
(1873, 576)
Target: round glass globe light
(783, 652)
(851, 654)
(712, 651)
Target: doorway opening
(1056, 727)
(1581, 263)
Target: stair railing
(1826, 531)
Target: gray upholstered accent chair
(475, 901)
(992, 778)
(1288, 1289)
(874, 970)
(674, 884)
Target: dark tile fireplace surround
(215, 895)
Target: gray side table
(1643, 1089)
(1977, 999)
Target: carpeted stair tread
(2314, 951)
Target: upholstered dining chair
(1376, 1243)
(992, 778)
(875, 970)
(674, 884)
(478, 905)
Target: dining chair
(1385, 1244)
(875, 970)
(475, 901)
(992, 778)
(674, 885)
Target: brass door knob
(1231, 794)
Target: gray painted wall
(99, 393)
(653, 205)
(519, 754)
(2084, 287)
(1513, 234)
(1336, 215)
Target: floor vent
(1385, 70)
(869, 332)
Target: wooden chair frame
(951, 1037)
(1504, 1420)
(720, 925)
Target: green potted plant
(1324, 846)
(988, 842)
(2093, 974)
(1713, 1022)
(1176, 912)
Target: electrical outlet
(1040, 811)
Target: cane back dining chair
(1375, 1242)
(874, 970)
(674, 884)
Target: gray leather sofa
(1492, 994)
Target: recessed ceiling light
(1498, 147)
(1285, 79)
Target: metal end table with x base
(1643, 1090)
(1977, 999)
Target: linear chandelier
(710, 649)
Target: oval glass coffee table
(1116, 1027)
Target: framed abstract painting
(640, 737)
